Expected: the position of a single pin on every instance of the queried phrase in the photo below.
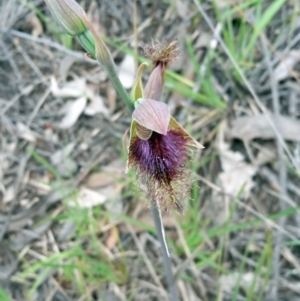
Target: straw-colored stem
(156, 214)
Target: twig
(274, 182)
(11, 61)
(29, 61)
(190, 261)
(18, 180)
(147, 262)
(268, 221)
(165, 252)
(38, 106)
(282, 175)
(25, 91)
(76, 54)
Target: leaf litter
(86, 101)
(126, 71)
(236, 174)
(285, 67)
(257, 126)
(82, 122)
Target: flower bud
(69, 15)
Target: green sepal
(137, 91)
(87, 41)
(69, 14)
(132, 135)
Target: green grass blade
(263, 22)
(3, 295)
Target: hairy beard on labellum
(161, 166)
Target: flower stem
(156, 213)
(104, 57)
(122, 92)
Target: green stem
(101, 52)
(119, 87)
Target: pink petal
(153, 115)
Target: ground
(73, 224)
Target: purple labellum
(161, 156)
(162, 162)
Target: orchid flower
(159, 147)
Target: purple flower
(159, 148)
(159, 151)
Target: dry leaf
(236, 173)
(224, 4)
(203, 40)
(88, 198)
(265, 155)
(95, 106)
(66, 230)
(126, 71)
(111, 174)
(229, 282)
(112, 238)
(248, 128)
(37, 28)
(182, 8)
(60, 155)
(147, 219)
(115, 167)
(64, 165)
(25, 133)
(286, 64)
(67, 168)
(65, 64)
(107, 184)
(113, 194)
(9, 194)
(99, 179)
(74, 110)
(72, 89)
